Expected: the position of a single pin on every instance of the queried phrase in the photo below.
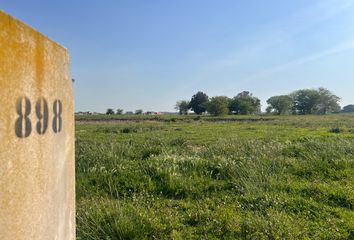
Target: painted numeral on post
(42, 116)
(57, 119)
(23, 126)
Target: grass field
(215, 178)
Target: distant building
(152, 113)
(84, 113)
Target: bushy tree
(279, 104)
(119, 111)
(348, 109)
(110, 111)
(315, 101)
(305, 101)
(198, 102)
(182, 107)
(138, 112)
(218, 106)
(245, 103)
(327, 102)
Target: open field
(173, 177)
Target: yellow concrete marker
(37, 170)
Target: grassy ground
(215, 178)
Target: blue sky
(148, 54)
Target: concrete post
(37, 170)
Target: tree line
(119, 111)
(300, 102)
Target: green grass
(216, 178)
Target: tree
(109, 111)
(328, 102)
(218, 106)
(182, 107)
(315, 101)
(245, 103)
(348, 109)
(269, 109)
(279, 104)
(305, 101)
(138, 112)
(119, 111)
(198, 101)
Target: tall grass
(216, 180)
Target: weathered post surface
(37, 170)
